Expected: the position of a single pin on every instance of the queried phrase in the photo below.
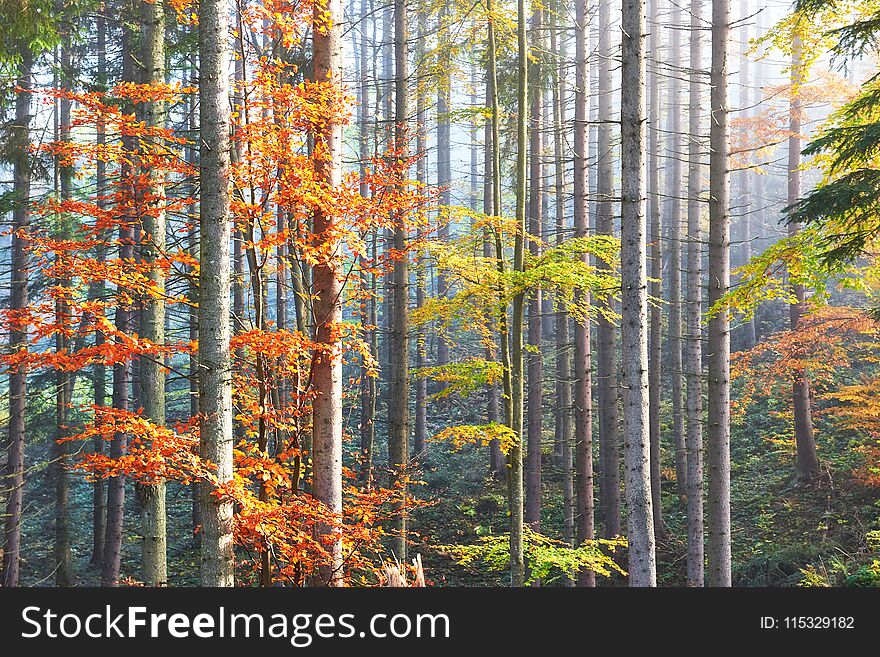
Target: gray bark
(18, 338)
(122, 372)
(368, 279)
(99, 375)
(655, 345)
(634, 298)
(215, 381)
(674, 232)
(398, 413)
(535, 357)
(693, 337)
(747, 203)
(606, 368)
(719, 283)
(582, 400)
(152, 496)
(515, 456)
(444, 155)
(63, 380)
(563, 433)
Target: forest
(448, 293)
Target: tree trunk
(582, 401)
(747, 205)
(675, 153)
(368, 279)
(421, 427)
(655, 349)
(515, 455)
(563, 433)
(497, 464)
(606, 368)
(18, 337)
(719, 325)
(535, 357)
(805, 442)
(398, 408)
(328, 275)
(693, 340)
(122, 372)
(215, 384)
(192, 245)
(152, 496)
(444, 156)
(63, 380)
(634, 298)
(99, 374)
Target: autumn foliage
(276, 189)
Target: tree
(694, 312)
(515, 455)
(676, 191)
(634, 298)
(99, 488)
(582, 400)
(655, 340)
(606, 369)
(535, 356)
(444, 152)
(215, 383)
(18, 300)
(745, 176)
(719, 324)
(328, 275)
(123, 325)
(807, 460)
(398, 413)
(152, 496)
(564, 420)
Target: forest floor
(784, 533)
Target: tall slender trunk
(759, 222)
(444, 157)
(497, 464)
(719, 325)
(745, 177)
(18, 336)
(63, 380)
(192, 245)
(398, 409)
(535, 357)
(99, 374)
(122, 372)
(693, 319)
(215, 383)
(368, 279)
(675, 153)
(582, 401)
(563, 433)
(387, 85)
(606, 368)
(256, 267)
(328, 275)
(421, 426)
(655, 346)
(634, 298)
(152, 496)
(238, 237)
(515, 455)
(805, 442)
